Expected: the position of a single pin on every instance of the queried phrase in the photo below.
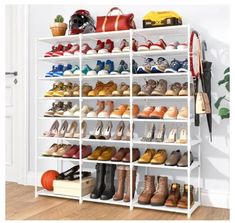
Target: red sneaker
(160, 45)
(50, 53)
(124, 47)
(61, 49)
(146, 46)
(108, 47)
(74, 50)
(99, 46)
(85, 48)
(134, 45)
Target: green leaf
(226, 79)
(227, 70)
(227, 85)
(224, 113)
(217, 103)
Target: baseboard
(208, 198)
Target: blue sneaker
(146, 68)
(174, 66)
(51, 72)
(184, 66)
(99, 66)
(109, 67)
(85, 69)
(59, 71)
(160, 66)
(67, 70)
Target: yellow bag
(161, 18)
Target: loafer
(72, 151)
(107, 154)
(173, 158)
(184, 160)
(135, 155)
(96, 153)
(120, 154)
(86, 151)
(160, 157)
(147, 156)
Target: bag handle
(113, 9)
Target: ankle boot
(121, 172)
(149, 189)
(174, 196)
(183, 202)
(109, 182)
(99, 186)
(127, 195)
(161, 193)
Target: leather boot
(174, 196)
(121, 172)
(127, 194)
(109, 182)
(149, 189)
(99, 185)
(183, 202)
(161, 193)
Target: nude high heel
(127, 135)
(172, 136)
(150, 134)
(183, 137)
(109, 109)
(119, 131)
(107, 131)
(160, 134)
(53, 130)
(72, 129)
(63, 129)
(97, 131)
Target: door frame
(20, 16)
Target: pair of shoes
(62, 50)
(123, 154)
(153, 112)
(123, 111)
(74, 152)
(175, 158)
(102, 47)
(123, 178)
(101, 112)
(173, 113)
(183, 138)
(65, 130)
(152, 136)
(60, 89)
(176, 89)
(103, 153)
(61, 70)
(104, 186)
(102, 89)
(162, 65)
(125, 46)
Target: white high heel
(172, 136)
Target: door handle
(12, 73)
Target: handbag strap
(113, 9)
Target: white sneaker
(71, 112)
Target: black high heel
(68, 172)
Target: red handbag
(115, 22)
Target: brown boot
(127, 194)
(121, 172)
(149, 189)
(174, 196)
(183, 202)
(161, 193)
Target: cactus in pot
(58, 28)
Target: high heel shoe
(63, 129)
(107, 131)
(106, 113)
(172, 136)
(160, 133)
(119, 131)
(183, 137)
(66, 173)
(71, 133)
(83, 130)
(53, 130)
(97, 131)
(127, 135)
(94, 114)
(150, 134)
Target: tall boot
(109, 182)
(121, 172)
(127, 195)
(99, 185)
(149, 189)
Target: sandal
(66, 173)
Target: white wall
(213, 24)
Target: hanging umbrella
(207, 84)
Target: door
(15, 94)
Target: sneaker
(172, 46)
(99, 46)
(59, 71)
(134, 67)
(85, 69)
(174, 66)
(61, 49)
(146, 68)
(146, 46)
(71, 111)
(160, 45)
(74, 49)
(108, 47)
(99, 66)
(160, 66)
(60, 112)
(55, 106)
(50, 73)
(72, 71)
(121, 68)
(184, 66)
(67, 70)
(123, 44)
(109, 67)
(76, 70)
(50, 53)
(85, 48)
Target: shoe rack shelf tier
(80, 59)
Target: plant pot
(58, 29)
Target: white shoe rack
(167, 33)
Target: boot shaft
(149, 183)
(100, 174)
(109, 175)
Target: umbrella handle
(204, 48)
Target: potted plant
(58, 28)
